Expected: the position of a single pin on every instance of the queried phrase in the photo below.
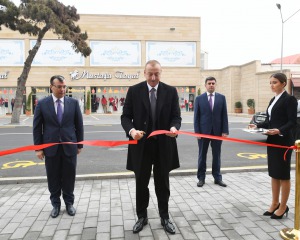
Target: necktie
(153, 106)
(59, 111)
(210, 101)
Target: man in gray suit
(58, 118)
(210, 117)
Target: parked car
(258, 117)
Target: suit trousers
(203, 145)
(161, 181)
(61, 173)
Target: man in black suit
(152, 105)
(58, 119)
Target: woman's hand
(252, 126)
(273, 131)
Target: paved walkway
(106, 207)
(106, 210)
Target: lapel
(161, 94)
(145, 96)
(50, 105)
(66, 108)
(216, 102)
(282, 97)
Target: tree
(36, 18)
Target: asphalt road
(95, 160)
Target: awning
(296, 82)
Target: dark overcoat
(137, 114)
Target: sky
(233, 32)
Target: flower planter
(251, 111)
(28, 112)
(238, 110)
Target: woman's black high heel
(274, 216)
(267, 213)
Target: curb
(121, 175)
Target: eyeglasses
(60, 86)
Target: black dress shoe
(71, 210)
(55, 212)
(220, 183)
(168, 226)
(200, 183)
(138, 226)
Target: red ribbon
(158, 132)
(90, 143)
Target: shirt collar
(55, 98)
(149, 87)
(211, 93)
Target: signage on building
(76, 75)
(4, 75)
(41, 90)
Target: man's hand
(79, 150)
(224, 135)
(173, 133)
(137, 134)
(40, 154)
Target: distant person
(210, 117)
(152, 105)
(281, 119)
(12, 103)
(104, 104)
(186, 103)
(58, 118)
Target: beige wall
(113, 27)
(240, 83)
(237, 83)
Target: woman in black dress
(281, 119)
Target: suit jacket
(137, 114)
(47, 129)
(205, 120)
(283, 117)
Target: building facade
(121, 45)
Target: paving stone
(74, 237)
(117, 232)
(103, 236)
(89, 233)
(76, 228)
(60, 234)
(10, 228)
(20, 232)
(91, 222)
(4, 236)
(31, 236)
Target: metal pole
(294, 233)
(283, 21)
(281, 45)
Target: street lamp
(282, 22)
